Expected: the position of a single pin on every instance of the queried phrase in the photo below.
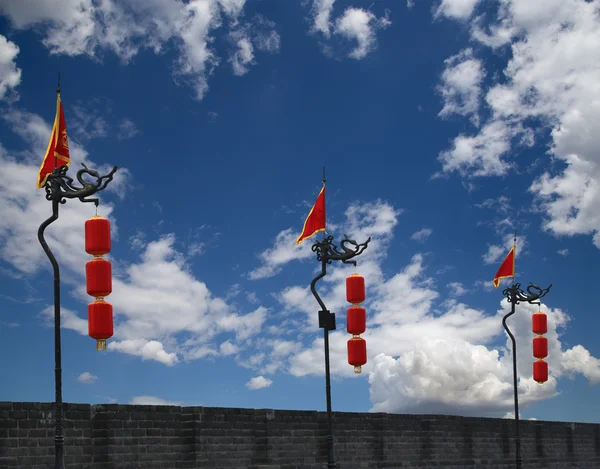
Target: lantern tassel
(101, 344)
(357, 369)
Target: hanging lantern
(540, 371)
(355, 289)
(357, 353)
(100, 322)
(97, 236)
(356, 320)
(540, 347)
(99, 277)
(539, 323)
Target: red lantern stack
(99, 280)
(539, 326)
(356, 322)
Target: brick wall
(124, 436)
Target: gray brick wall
(125, 436)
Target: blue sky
(443, 126)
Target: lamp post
(516, 295)
(60, 187)
(327, 252)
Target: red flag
(57, 153)
(507, 269)
(315, 221)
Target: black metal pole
(327, 252)
(59, 461)
(330, 454)
(519, 458)
(516, 295)
(59, 187)
(327, 322)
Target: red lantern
(355, 289)
(540, 347)
(357, 353)
(97, 236)
(356, 320)
(100, 322)
(539, 323)
(540, 371)
(99, 277)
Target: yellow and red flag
(57, 153)
(507, 268)
(315, 221)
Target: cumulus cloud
(152, 400)
(259, 382)
(10, 75)
(456, 9)
(354, 24)
(461, 85)
(87, 378)
(86, 27)
(549, 81)
(360, 25)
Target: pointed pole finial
(58, 89)
(515, 237)
(323, 174)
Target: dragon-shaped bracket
(327, 252)
(60, 187)
(516, 295)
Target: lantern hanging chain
(516, 295)
(59, 187)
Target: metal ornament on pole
(516, 295)
(327, 252)
(59, 187)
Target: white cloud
(243, 56)
(283, 251)
(354, 24)
(322, 16)
(152, 400)
(480, 155)
(548, 81)
(456, 9)
(457, 289)
(461, 85)
(86, 27)
(146, 349)
(87, 378)
(421, 235)
(227, 348)
(563, 252)
(497, 253)
(259, 382)
(360, 25)
(10, 75)
(127, 129)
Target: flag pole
(59, 187)
(58, 112)
(326, 252)
(514, 295)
